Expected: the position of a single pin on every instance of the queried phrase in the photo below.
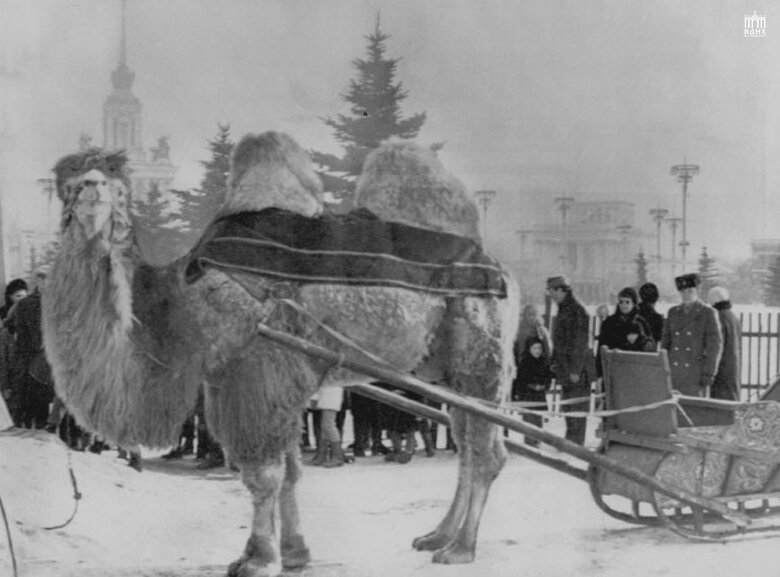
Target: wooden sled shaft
(474, 407)
(428, 412)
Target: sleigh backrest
(634, 379)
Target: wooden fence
(760, 351)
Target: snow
(175, 521)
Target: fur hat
(689, 280)
(14, 286)
(717, 295)
(559, 281)
(531, 341)
(629, 292)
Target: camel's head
(95, 193)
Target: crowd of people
(26, 381)
(702, 342)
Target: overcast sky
(540, 96)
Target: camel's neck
(92, 342)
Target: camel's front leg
(295, 553)
(261, 556)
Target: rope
(10, 540)
(334, 333)
(72, 474)
(525, 408)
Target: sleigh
(705, 469)
(727, 452)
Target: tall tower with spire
(122, 109)
(122, 128)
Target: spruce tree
(160, 240)
(197, 207)
(375, 115)
(772, 283)
(708, 272)
(641, 268)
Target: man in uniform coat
(727, 378)
(572, 360)
(693, 339)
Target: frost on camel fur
(404, 182)
(130, 344)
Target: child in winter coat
(533, 380)
(637, 340)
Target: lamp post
(674, 223)
(658, 214)
(523, 234)
(684, 174)
(48, 188)
(563, 203)
(624, 230)
(484, 198)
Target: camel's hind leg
(295, 553)
(482, 456)
(445, 531)
(478, 348)
(261, 556)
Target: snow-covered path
(359, 520)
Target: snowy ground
(174, 521)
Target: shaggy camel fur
(130, 344)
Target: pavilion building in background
(596, 250)
(762, 252)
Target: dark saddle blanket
(352, 249)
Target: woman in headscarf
(15, 291)
(614, 331)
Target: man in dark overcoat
(727, 378)
(693, 340)
(572, 360)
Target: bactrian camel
(131, 344)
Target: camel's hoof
(453, 554)
(430, 542)
(295, 553)
(248, 567)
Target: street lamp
(673, 224)
(563, 203)
(658, 214)
(523, 234)
(484, 198)
(684, 174)
(625, 230)
(48, 187)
